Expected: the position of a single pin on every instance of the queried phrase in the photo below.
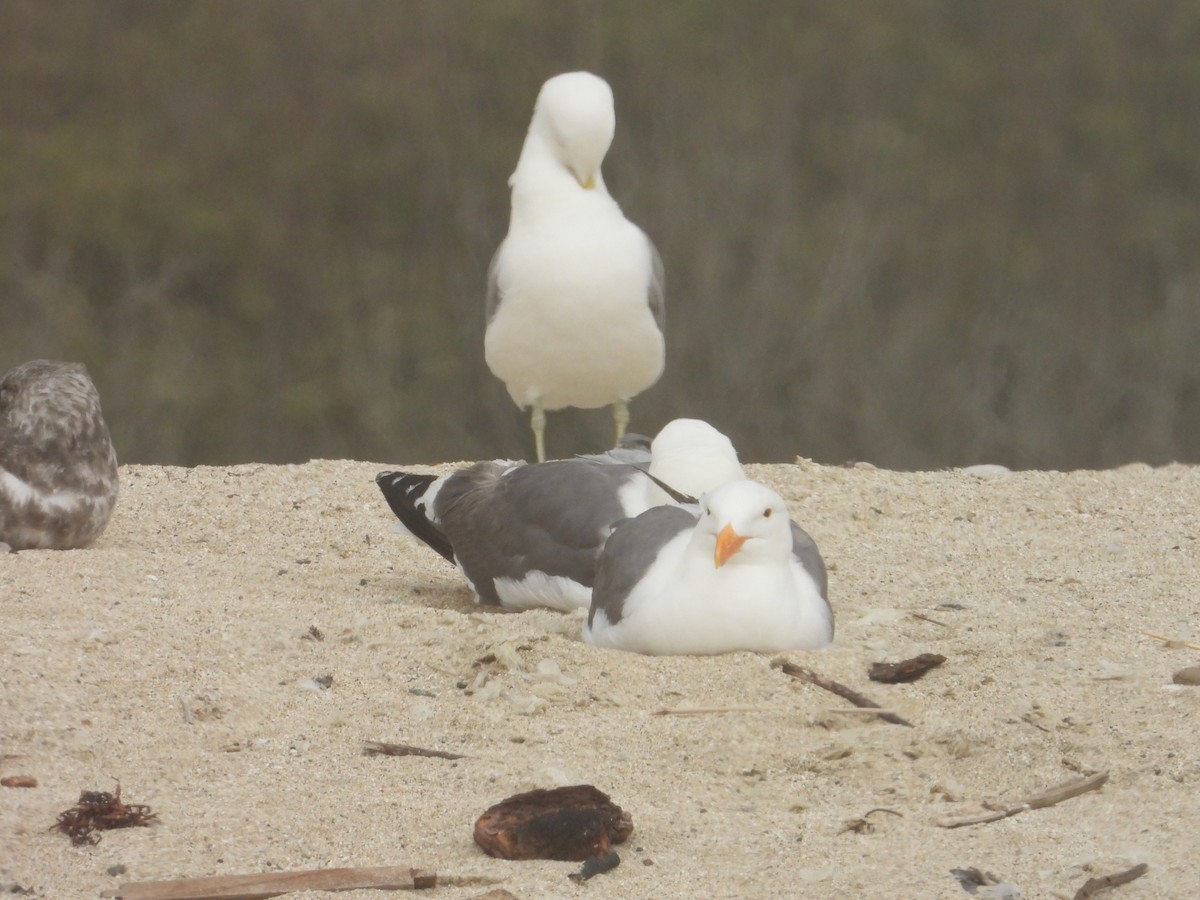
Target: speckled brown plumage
(58, 469)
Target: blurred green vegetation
(923, 234)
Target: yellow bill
(729, 542)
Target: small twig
(379, 748)
(861, 711)
(442, 670)
(862, 826)
(706, 710)
(272, 884)
(1166, 640)
(890, 812)
(1093, 886)
(805, 674)
(906, 669)
(927, 619)
(1046, 798)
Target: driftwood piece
(906, 669)
(834, 687)
(1093, 886)
(569, 823)
(18, 781)
(379, 748)
(1046, 798)
(272, 884)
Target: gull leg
(621, 418)
(538, 422)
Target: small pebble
(1190, 676)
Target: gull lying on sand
(527, 535)
(739, 575)
(58, 469)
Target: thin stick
(804, 674)
(1093, 886)
(927, 619)
(1167, 640)
(379, 748)
(1050, 797)
(272, 884)
(861, 711)
(706, 710)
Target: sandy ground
(175, 657)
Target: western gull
(575, 302)
(58, 468)
(739, 576)
(527, 535)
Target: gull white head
(693, 457)
(574, 121)
(745, 523)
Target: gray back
(550, 517)
(629, 553)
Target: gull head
(574, 114)
(745, 523)
(693, 457)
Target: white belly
(574, 325)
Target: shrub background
(922, 234)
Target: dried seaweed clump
(570, 823)
(100, 811)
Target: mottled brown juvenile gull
(58, 469)
(528, 535)
(575, 303)
(740, 576)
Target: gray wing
(549, 517)
(493, 284)
(632, 450)
(804, 550)
(658, 288)
(629, 552)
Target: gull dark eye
(767, 513)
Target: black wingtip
(403, 492)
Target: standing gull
(575, 304)
(528, 535)
(741, 576)
(58, 469)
